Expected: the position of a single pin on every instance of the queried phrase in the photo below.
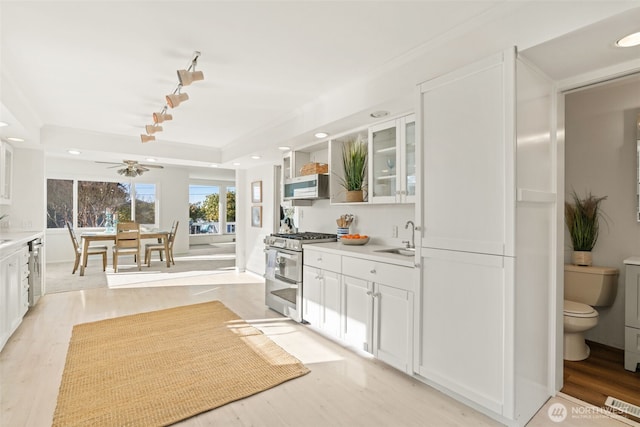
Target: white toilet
(584, 287)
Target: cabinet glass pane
(410, 158)
(384, 163)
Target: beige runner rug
(157, 368)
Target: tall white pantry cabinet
(487, 211)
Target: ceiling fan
(131, 168)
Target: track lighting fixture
(185, 78)
(175, 99)
(162, 116)
(151, 129)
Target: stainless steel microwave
(307, 187)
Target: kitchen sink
(399, 251)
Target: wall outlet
(394, 231)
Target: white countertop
(367, 251)
(12, 240)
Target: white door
(467, 158)
(393, 329)
(357, 313)
(464, 339)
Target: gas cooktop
(294, 241)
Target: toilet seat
(577, 309)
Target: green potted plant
(582, 217)
(354, 162)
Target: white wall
(601, 158)
(251, 239)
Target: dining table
(101, 236)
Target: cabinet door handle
(373, 271)
(376, 295)
(369, 293)
(319, 259)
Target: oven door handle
(286, 280)
(285, 255)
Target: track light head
(161, 117)
(147, 138)
(187, 77)
(151, 129)
(175, 99)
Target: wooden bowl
(355, 242)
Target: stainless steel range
(283, 276)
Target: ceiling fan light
(161, 117)
(147, 138)
(187, 77)
(151, 129)
(175, 99)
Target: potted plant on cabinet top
(582, 218)
(354, 161)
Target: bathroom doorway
(601, 158)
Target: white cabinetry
(14, 286)
(632, 314)
(365, 304)
(321, 298)
(378, 310)
(392, 161)
(6, 173)
(482, 318)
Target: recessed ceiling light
(3, 124)
(212, 165)
(629, 40)
(14, 139)
(236, 163)
(255, 157)
(74, 152)
(321, 135)
(379, 113)
(150, 159)
(284, 148)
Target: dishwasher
(36, 248)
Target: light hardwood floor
(343, 388)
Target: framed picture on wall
(256, 216)
(256, 192)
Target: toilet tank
(595, 286)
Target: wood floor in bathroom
(602, 375)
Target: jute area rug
(157, 368)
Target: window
(59, 202)
(231, 209)
(94, 199)
(204, 209)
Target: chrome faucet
(413, 234)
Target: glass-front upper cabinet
(392, 165)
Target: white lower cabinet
(393, 326)
(463, 344)
(14, 286)
(357, 313)
(321, 299)
(369, 306)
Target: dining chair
(127, 242)
(149, 247)
(92, 250)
